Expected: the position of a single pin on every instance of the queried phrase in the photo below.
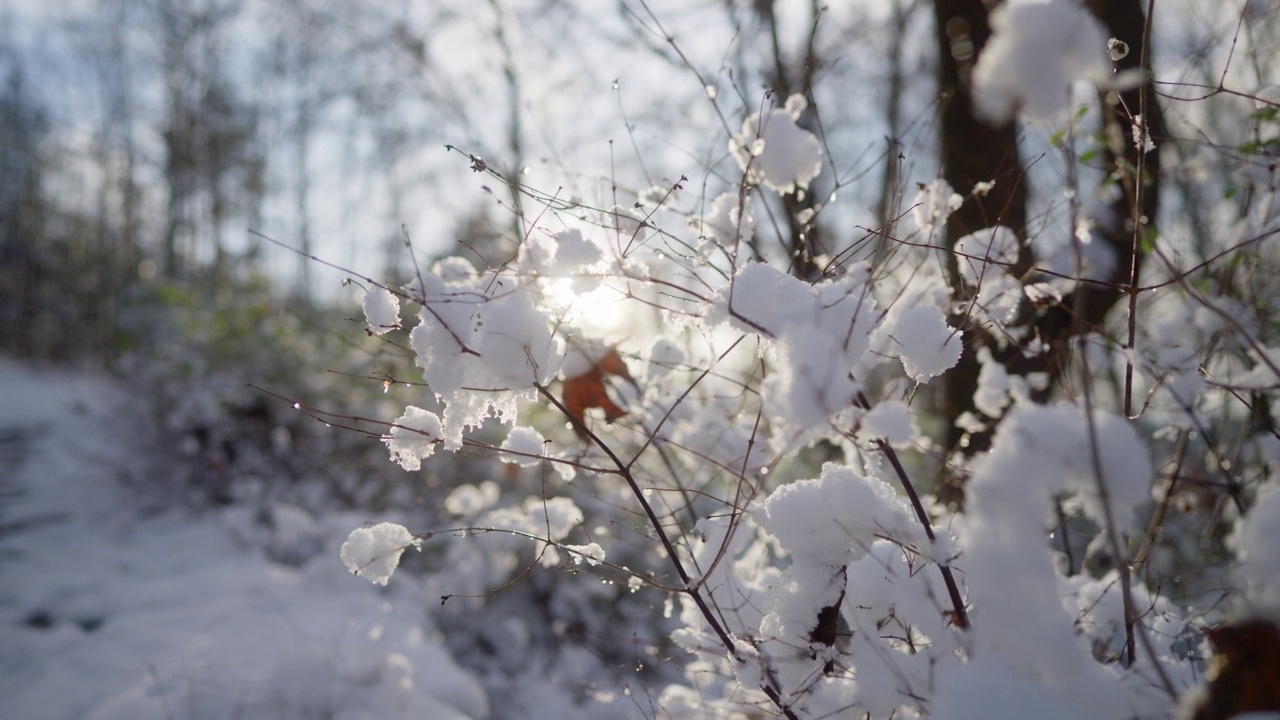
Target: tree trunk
(973, 151)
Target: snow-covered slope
(115, 604)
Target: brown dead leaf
(588, 390)
(1245, 673)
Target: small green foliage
(1147, 243)
(1262, 146)
(1266, 114)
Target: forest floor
(119, 598)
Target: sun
(601, 312)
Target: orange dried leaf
(1245, 674)
(611, 364)
(588, 391)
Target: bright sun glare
(600, 312)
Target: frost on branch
(374, 552)
(777, 153)
(1038, 48)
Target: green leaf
(1147, 242)
(1266, 114)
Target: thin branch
(953, 590)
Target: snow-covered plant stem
(1137, 187)
(691, 589)
(1119, 551)
(953, 590)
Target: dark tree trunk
(973, 151)
(803, 240)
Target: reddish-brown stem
(689, 589)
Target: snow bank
(125, 612)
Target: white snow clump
(983, 258)
(592, 553)
(1259, 568)
(925, 343)
(374, 552)
(1038, 48)
(819, 337)
(777, 153)
(381, 310)
(525, 444)
(482, 345)
(933, 204)
(1038, 453)
(890, 420)
(729, 222)
(413, 437)
(833, 520)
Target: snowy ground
(117, 602)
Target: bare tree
(209, 132)
(23, 211)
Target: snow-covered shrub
(742, 440)
(210, 370)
